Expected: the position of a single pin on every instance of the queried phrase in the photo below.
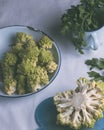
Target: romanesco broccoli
(45, 57)
(9, 59)
(9, 85)
(51, 66)
(20, 88)
(26, 67)
(22, 37)
(46, 42)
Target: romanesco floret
(9, 59)
(9, 85)
(30, 44)
(22, 37)
(20, 88)
(82, 106)
(26, 67)
(7, 71)
(30, 53)
(41, 75)
(17, 47)
(33, 83)
(45, 42)
(51, 66)
(37, 80)
(45, 57)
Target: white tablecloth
(18, 113)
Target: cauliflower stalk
(82, 106)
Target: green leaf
(94, 75)
(93, 63)
(83, 17)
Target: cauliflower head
(82, 106)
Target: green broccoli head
(45, 42)
(10, 59)
(22, 37)
(82, 106)
(9, 85)
(45, 57)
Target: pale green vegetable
(10, 85)
(45, 57)
(20, 87)
(22, 37)
(51, 66)
(26, 66)
(46, 42)
(38, 79)
(9, 59)
(82, 106)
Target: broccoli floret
(51, 67)
(45, 57)
(45, 42)
(22, 37)
(9, 85)
(20, 88)
(9, 59)
(82, 106)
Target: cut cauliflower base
(82, 106)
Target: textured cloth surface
(19, 113)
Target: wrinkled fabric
(19, 113)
